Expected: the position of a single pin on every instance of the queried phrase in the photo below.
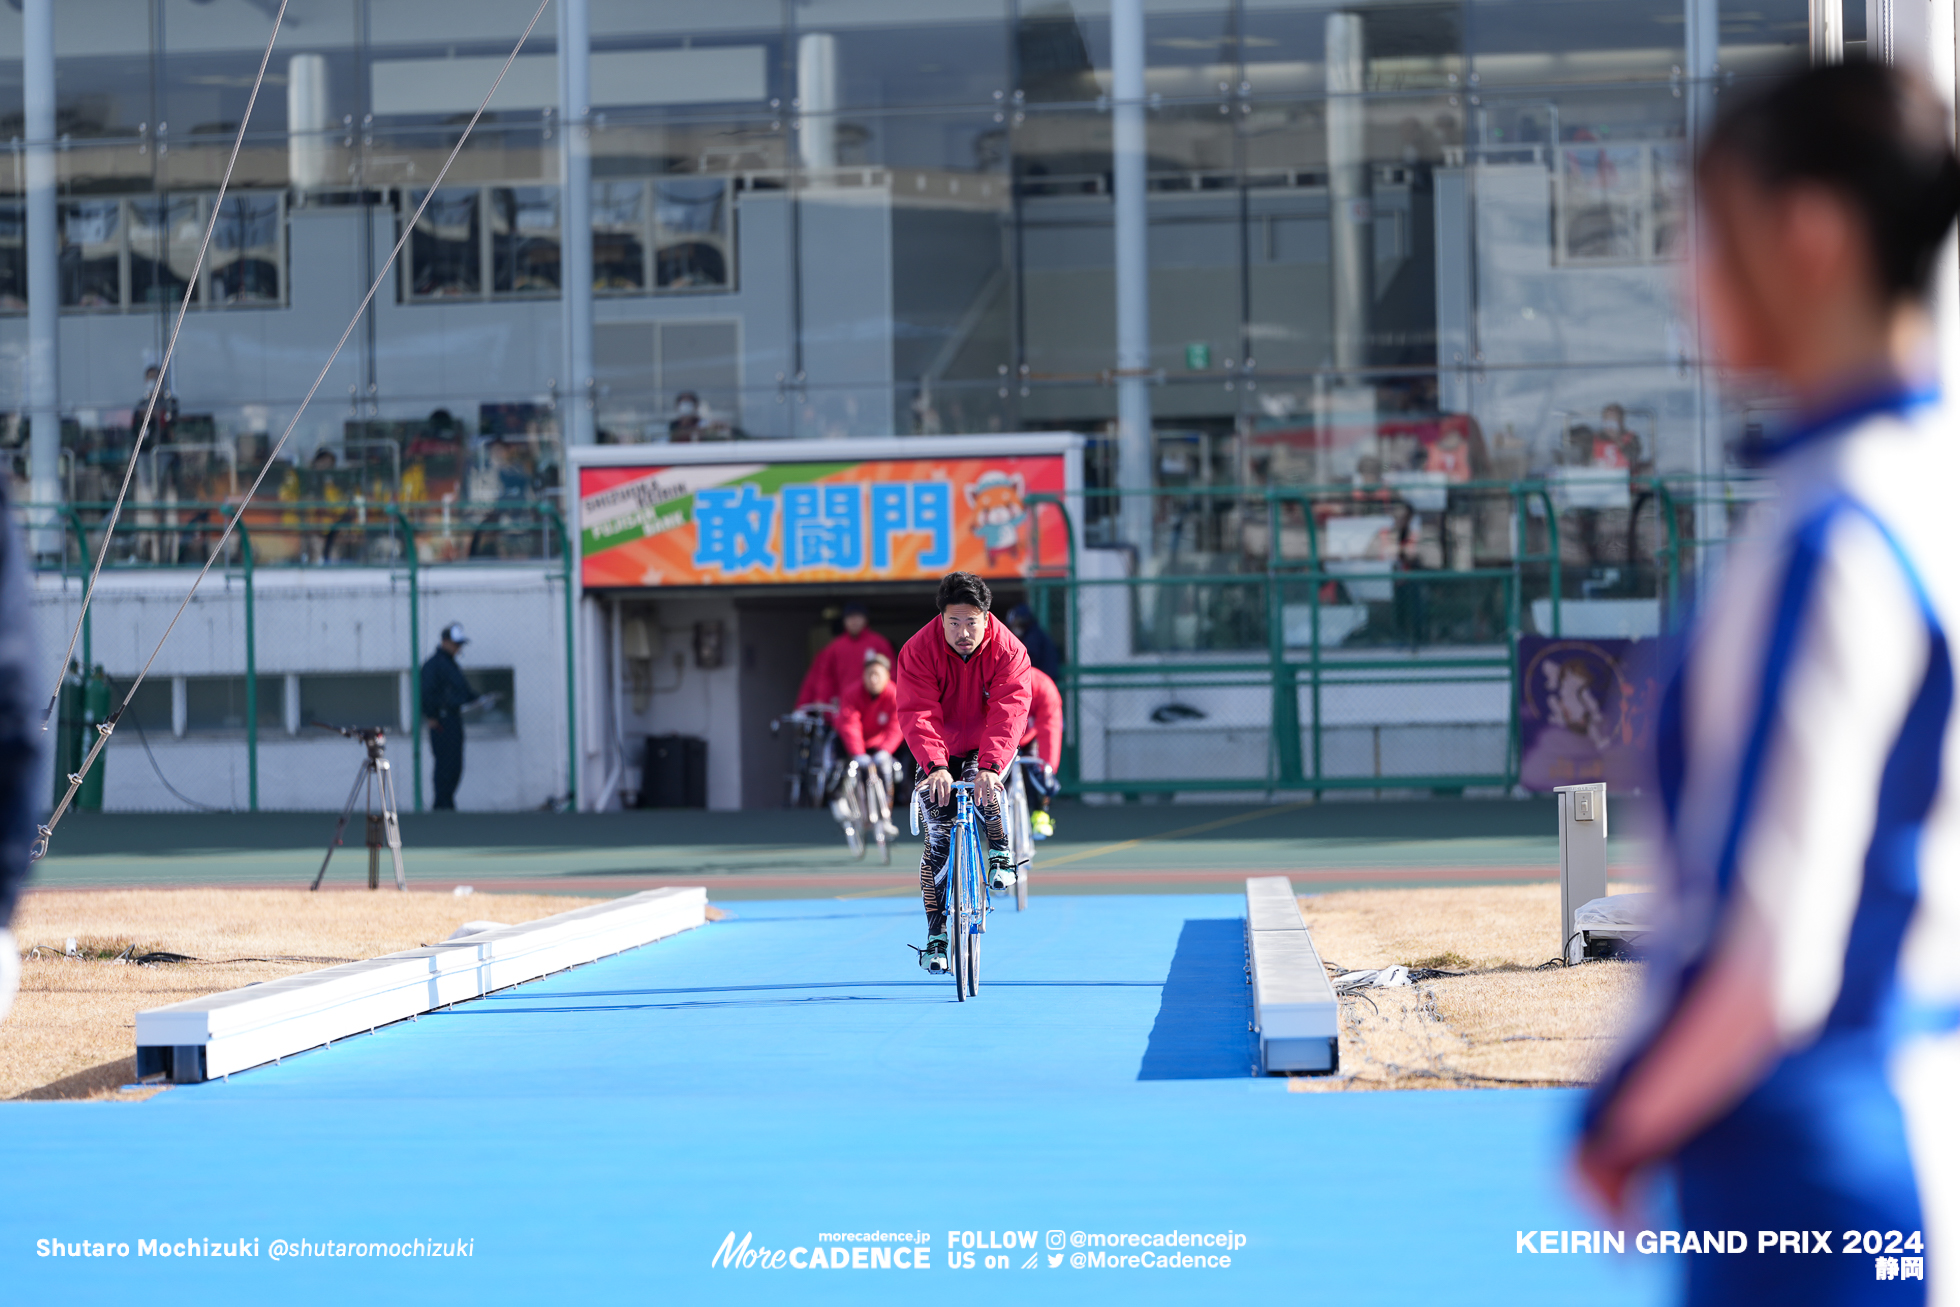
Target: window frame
(125, 243)
(645, 228)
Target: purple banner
(1585, 712)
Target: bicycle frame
(867, 807)
(966, 893)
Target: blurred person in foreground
(1799, 1062)
(21, 775)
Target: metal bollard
(1581, 858)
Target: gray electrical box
(1581, 858)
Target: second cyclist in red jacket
(963, 697)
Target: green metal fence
(373, 534)
(1249, 646)
(1296, 650)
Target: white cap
(454, 633)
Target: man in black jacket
(22, 779)
(445, 693)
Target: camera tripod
(384, 829)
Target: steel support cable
(106, 728)
(163, 370)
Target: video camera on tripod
(384, 828)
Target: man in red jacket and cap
(842, 661)
(1041, 742)
(963, 696)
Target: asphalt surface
(1134, 848)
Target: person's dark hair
(964, 588)
(1873, 133)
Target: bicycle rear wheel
(1020, 837)
(877, 813)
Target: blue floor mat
(790, 1074)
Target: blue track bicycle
(966, 894)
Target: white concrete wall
(323, 620)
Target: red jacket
(1045, 718)
(864, 724)
(951, 706)
(840, 666)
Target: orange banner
(775, 523)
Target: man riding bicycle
(867, 723)
(963, 694)
(1041, 744)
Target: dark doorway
(780, 631)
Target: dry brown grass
(72, 1030)
(1504, 1023)
(71, 1033)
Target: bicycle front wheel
(956, 910)
(976, 916)
(973, 965)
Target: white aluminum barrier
(1293, 1004)
(203, 1038)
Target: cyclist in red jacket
(867, 723)
(963, 695)
(1041, 744)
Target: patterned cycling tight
(939, 840)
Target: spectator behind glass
(685, 429)
(1614, 445)
(164, 423)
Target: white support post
(309, 148)
(1130, 149)
(817, 103)
(1703, 39)
(43, 372)
(1581, 858)
(1826, 32)
(1350, 193)
(1921, 35)
(580, 390)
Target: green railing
(1263, 621)
(1496, 591)
(305, 520)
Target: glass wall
(867, 217)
